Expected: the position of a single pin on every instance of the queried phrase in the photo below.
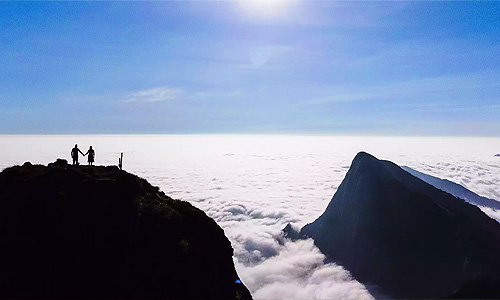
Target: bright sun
(265, 8)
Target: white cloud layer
(253, 186)
(299, 272)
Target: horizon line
(250, 134)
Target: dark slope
(455, 189)
(98, 232)
(392, 229)
(478, 288)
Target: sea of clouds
(253, 186)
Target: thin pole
(120, 161)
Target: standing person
(74, 154)
(91, 154)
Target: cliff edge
(411, 239)
(99, 232)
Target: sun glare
(265, 8)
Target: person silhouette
(74, 154)
(91, 154)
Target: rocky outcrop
(99, 232)
(290, 233)
(411, 239)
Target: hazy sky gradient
(381, 68)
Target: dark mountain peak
(392, 229)
(364, 177)
(363, 156)
(100, 232)
(366, 163)
(368, 167)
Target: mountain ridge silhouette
(400, 233)
(455, 189)
(99, 232)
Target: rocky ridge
(400, 233)
(99, 232)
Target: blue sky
(349, 68)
